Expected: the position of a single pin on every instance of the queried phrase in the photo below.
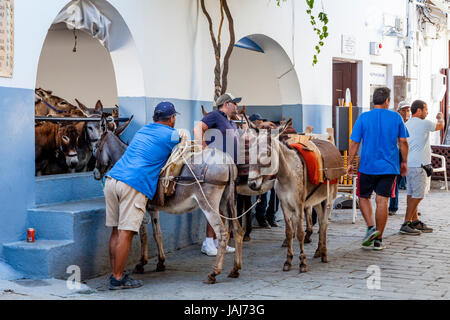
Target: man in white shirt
(419, 155)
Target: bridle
(265, 165)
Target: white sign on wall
(348, 44)
(6, 38)
(378, 75)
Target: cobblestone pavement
(411, 267)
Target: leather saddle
(333, 165)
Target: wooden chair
(347, 184)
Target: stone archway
(263, 74)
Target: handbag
(428, 169)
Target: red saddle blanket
(311, 163)
(312, 166)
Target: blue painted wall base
(74, 233)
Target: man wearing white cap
(404, 109)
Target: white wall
(172, 55)
(87, 74)
(252, 77)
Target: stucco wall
(161, 50)
(87, 74)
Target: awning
(84, 15)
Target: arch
(268, 78)
(129, 76)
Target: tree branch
(226, 59)
(217, 85)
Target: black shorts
(382, 184)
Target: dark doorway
(345, 75)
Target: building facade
(161, 50)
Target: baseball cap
(227, 97)
(403, 104)
(165, 109)
(256, 116)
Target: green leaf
(321, 43)
(310, 3)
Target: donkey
(55, 146)
(47, 104)
(294, 191)
(243, 191)
(91, 134)
(214, 195)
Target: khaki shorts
(417, 183)
(125, 206)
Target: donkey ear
(103, 122)
(81, 106)
(204, 112)
(250, 124)
(65, 139)
(80, 126)
(123, 126)
(98, 107)
(288, 124)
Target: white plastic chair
(443, 168)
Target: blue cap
(256, 116)
(165, 109)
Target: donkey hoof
(210, 279)
(234, 274)
(307, 240)
(325, 259)
(139, 269)
(317, 254)
(303, 268)
(285, 244)
(287, 267)
(247, 237)
(160, 267)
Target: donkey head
(263, 151)
(67, 138)
(109, 148)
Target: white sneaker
(209, 250)
(230, 249)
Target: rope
(206, 199)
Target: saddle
(244, 168)
(170, 174)
(333, 165)
(323, 159)
(171, 171)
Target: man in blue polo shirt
(217, 130)
(131, 182)
(382, 132)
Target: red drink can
(30, 235)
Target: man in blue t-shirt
(382, 132)
(217, 130)
(131, 182)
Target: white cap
(403, 104)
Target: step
(58, 221)
(37, 259)
(66, 187)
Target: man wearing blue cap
(131, 182)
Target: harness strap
(200, 179)
(53, 108)
(312, 192)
